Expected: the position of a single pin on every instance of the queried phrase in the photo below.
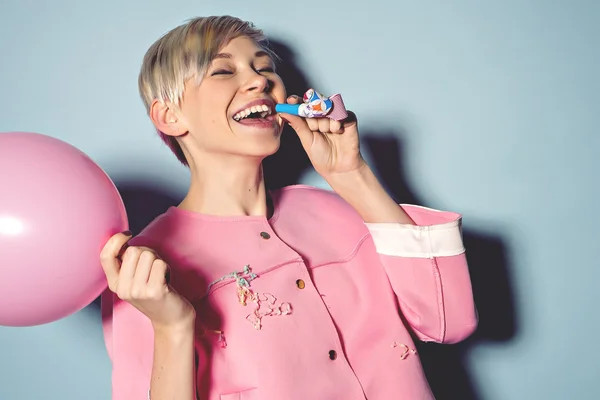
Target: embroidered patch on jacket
(242, 278)
(265, 304)
(220, 338)
(407, 350)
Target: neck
(227, 186)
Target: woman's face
(232, 111)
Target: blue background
(486, 108)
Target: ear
(166, 120)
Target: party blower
(316, 106)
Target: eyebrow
(258, 54)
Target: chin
(262, 148)
(259, 141)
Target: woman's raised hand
(140, 277)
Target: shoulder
(317, 205)
(153, 235)
(305, 196)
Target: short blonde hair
(184, 53)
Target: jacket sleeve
(428, 271)
(129, 339)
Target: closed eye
(221, 72)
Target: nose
(257, 83)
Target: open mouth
(259, 112)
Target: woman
(301, 293)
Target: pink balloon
(57, 210)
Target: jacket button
(332, 354)
(300, 283)
(265, 235)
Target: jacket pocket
(249, 394)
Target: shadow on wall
(487, 255)
(490, 274)
(444, 364)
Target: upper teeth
(263, 109)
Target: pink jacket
(312, 304)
